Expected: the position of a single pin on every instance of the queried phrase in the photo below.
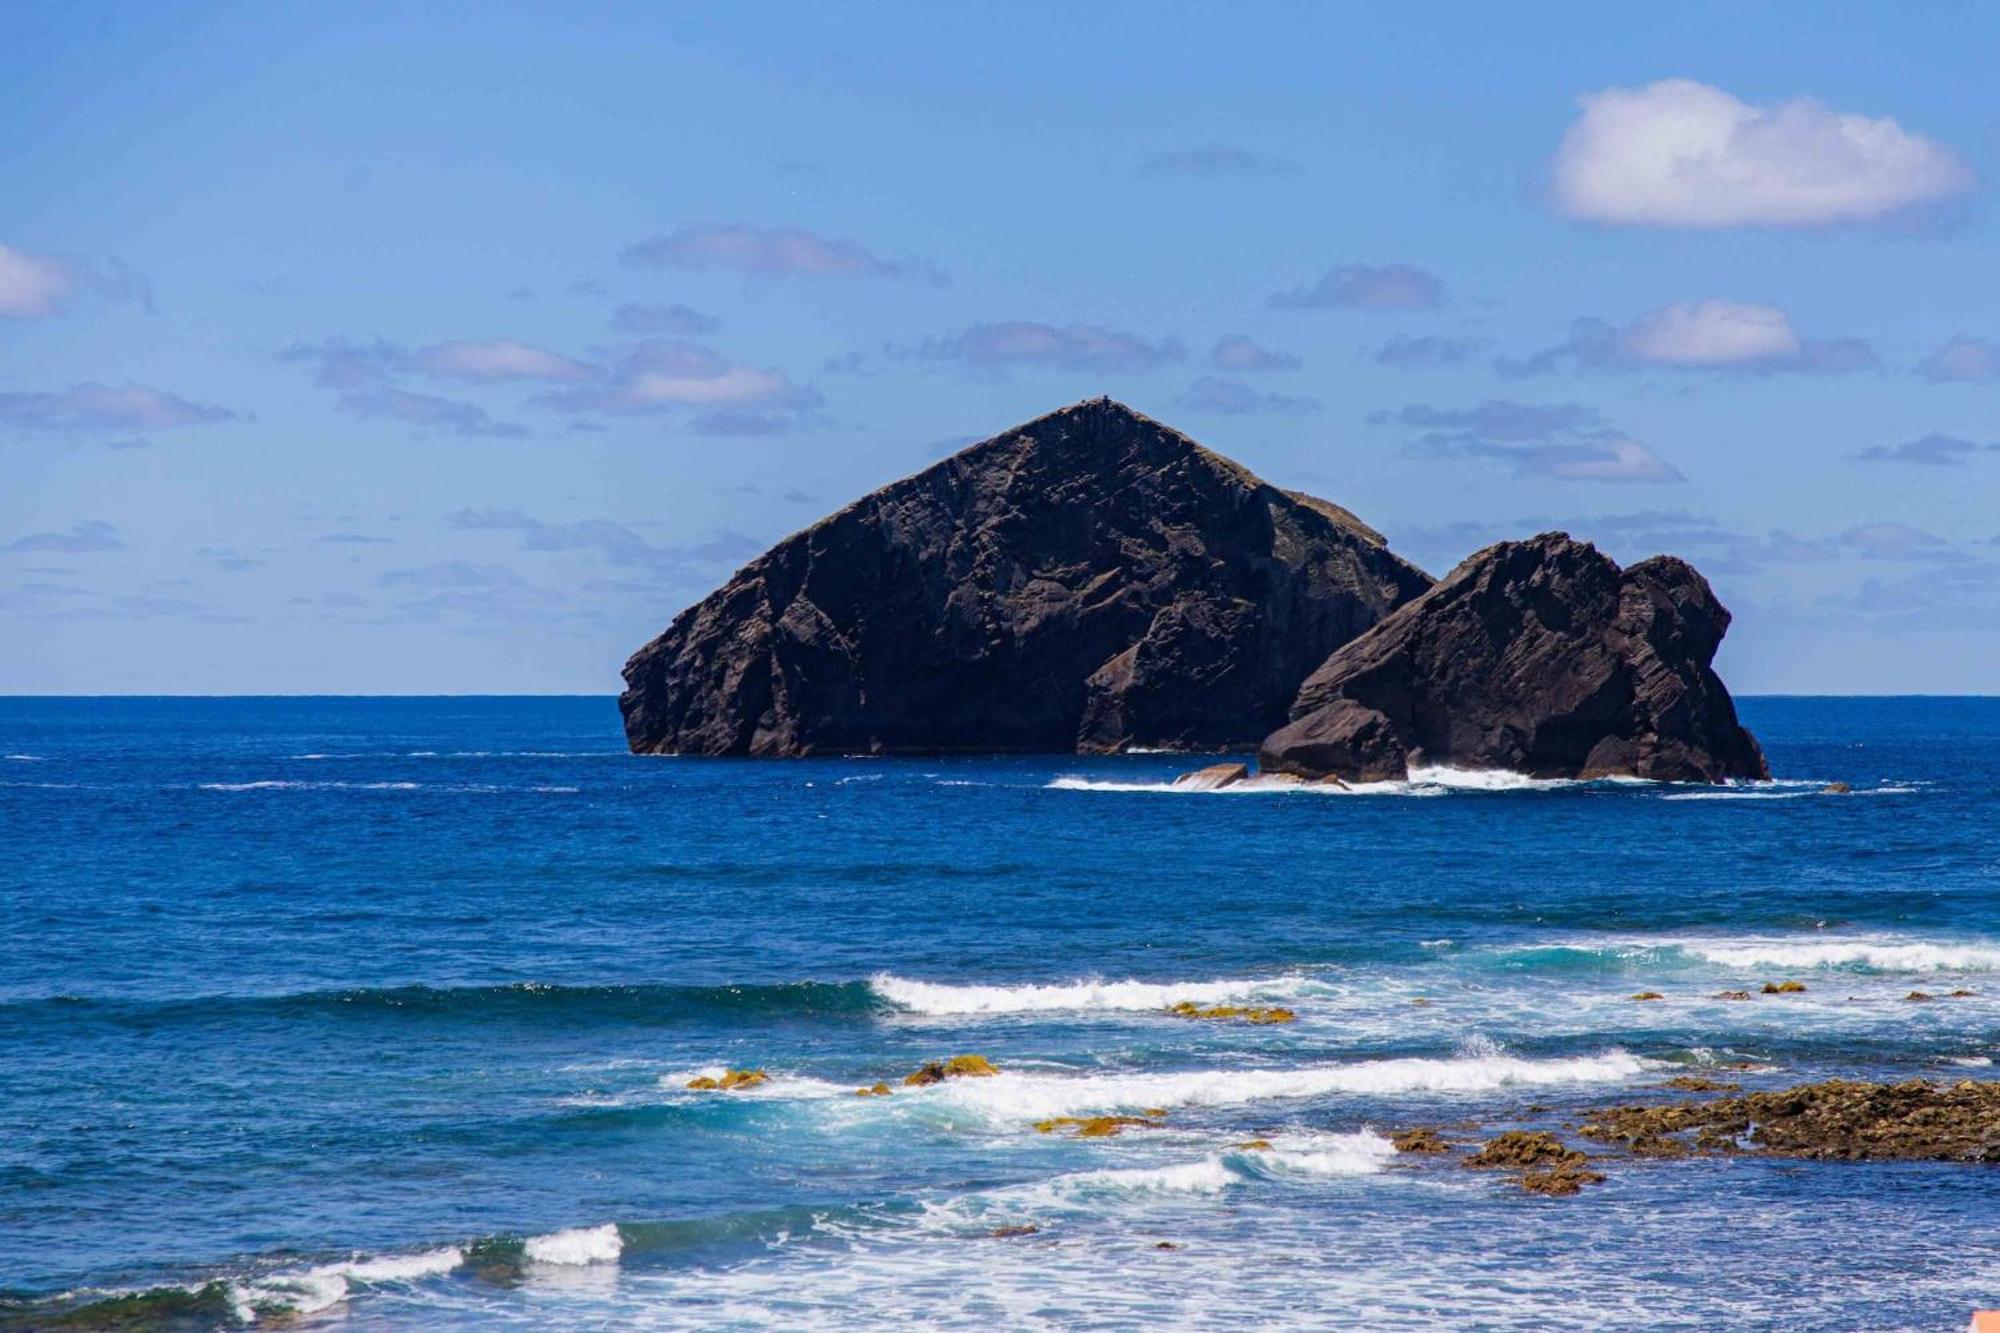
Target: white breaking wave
(25, 758)
(937, 998)
(1009, 1096)
(1294, 1158)
(1882, 955)
(579, 1245)
(317, 1288)
(1429, 781)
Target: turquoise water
(379, 1013)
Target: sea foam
(1422, 781)
(579, 1245)
(1010, 1096)
(937, 998)
(1884, 955)
(314, 1289)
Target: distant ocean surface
(379, 1013)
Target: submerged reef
(1222, 1013)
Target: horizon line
(577, 694)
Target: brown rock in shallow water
(1920, 996)
(875, 1090)
(730, 1081)
(1837, 1120)
(1732, 995)
(959, 1066)
(1835, 789)
(1784, 987)
(1649, 995)
(1526, 1147)
(1560, 1181)
(1225, 1012)
(1254, 1145)
(1213, 778)
(1025, 1229)
(1095, 1126)
(1419, 1140)
(1696, 1083)
(1540, 657)
(1091, 580)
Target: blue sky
(389, 348)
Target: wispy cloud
(1963, 360)
(36, 286)
(1715, 547)
(668, 374)
(1713, 335)
(1239, 354)
(615, 543)
(1366, 287)
(1933, 450)
(1558, 441)
(84, 537)
(996, 347)
(668, 321)
(1232, 397)
(428, 412)
(499, 360)
(89, 408)
(1683, 154)
(1427, 352)
(773, 252)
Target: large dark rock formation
(1092, 580)
(1540, 657)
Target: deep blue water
(383, 1011)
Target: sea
(369, 1013)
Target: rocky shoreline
(1834, 1120)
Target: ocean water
(379, 1014)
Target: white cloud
(1711, 333)
(30, 285)
(498, 359)
(664, 374)
(1698, 335)
(1683, 154)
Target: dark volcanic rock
(1092, 580)
(1837, 1120)
(1540, 657)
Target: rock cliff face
(1541, 657)
(1090, 581)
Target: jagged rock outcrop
(1089, 581)
(1540, 657)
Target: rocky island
(1540, 657)
(1095, 581)
(1089, 581)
